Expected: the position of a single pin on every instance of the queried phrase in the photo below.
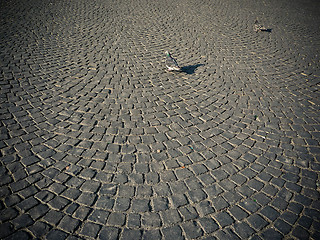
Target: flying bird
(171, 63)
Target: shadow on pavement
(191, 68)
(267, 30)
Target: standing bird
(171, 63)
(258, 27)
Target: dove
(258, 27)
(171, 63)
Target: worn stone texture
(99, 141)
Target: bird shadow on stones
(191, 68)
(266, 30)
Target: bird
(171, 63)
(258, 27)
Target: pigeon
(171, 63)
(258, 27)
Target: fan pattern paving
(99, 141)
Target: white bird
(171, 63)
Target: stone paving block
(206, 179)
(74, 182)
(188, 212)
(68, 224)
(197, 195)
(227, 184)
(300, 233)
(27, 204)
(86, 199)
(38, 211)
(151, 220)
(144, 191)
(271, 234)
(53, 217)
(238, 213)
(192, 229)
(56, 234)
(208, 225)
(151, 234)
(270, 190)
(279, 203)
(99, 216)
(162, 189)
(255, 184)
(289, 217)
(90, 230)
(17, 186)
(71, 193)
(270, 213)
(20, 235)
(120, 204)
(130, 234)
(219, 174)
(172, 232)
(245, 191)
(81, 213)
(179, 200)
(231, 197)
(282, 226)
(58, 203)
(160, 204)
(27, 161)
(133, 220)
(108, 233)
(243, 230)
(116, 219)
(224, 219)
(183, 173)
(193, 184)
(250, 205)
(257, 222)
(238, 179)
(6, 229)
(72, 208)
(120, 178)
(22, 221)
(108, 189)
(315, 235)
(8, 214)
(56, 188)
(140, 205)
(170, 216)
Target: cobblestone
(99, 141)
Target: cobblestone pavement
(98, 141)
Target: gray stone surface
(98, 141)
